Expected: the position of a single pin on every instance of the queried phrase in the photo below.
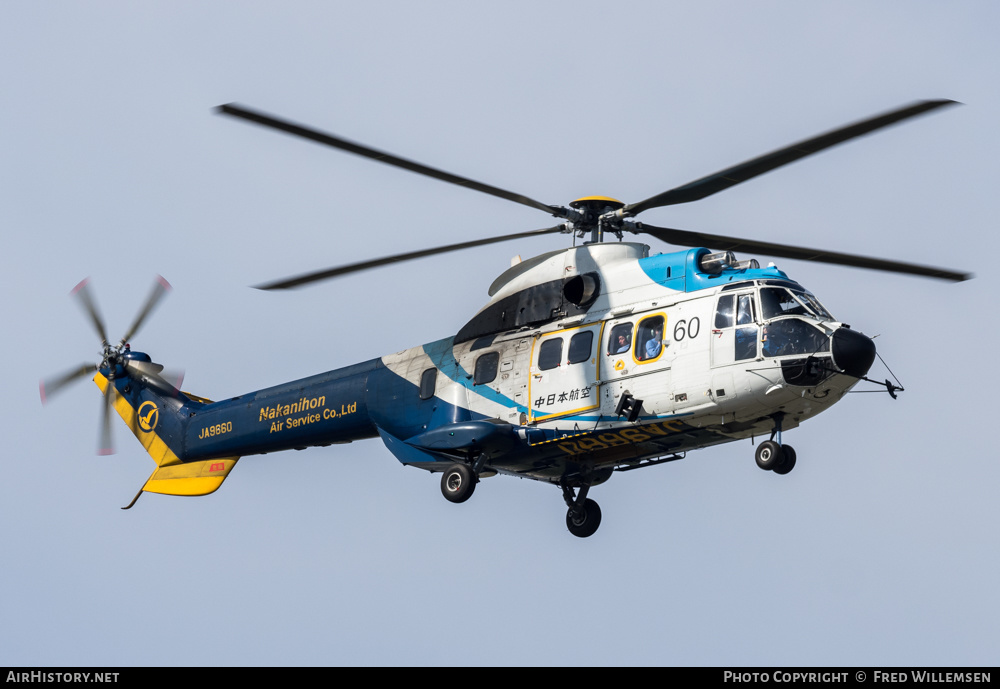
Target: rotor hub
(597, 204)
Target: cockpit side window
(744, 309)
(746, 343)
(725, 312)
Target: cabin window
(620, 341)
(428, 380)
(550, 354)
(486, 368)
(724, 314)
(580, 346)
(649, 338)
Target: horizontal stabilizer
(191, 478)
(173, 475)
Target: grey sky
(879, 549)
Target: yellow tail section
(172, 475)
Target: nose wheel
(788, 462)
(771, 456)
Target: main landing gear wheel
(458, 483)
(769, 455)
(788, 463)
(584, 519)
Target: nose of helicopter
(853, 352)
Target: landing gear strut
(584, 515)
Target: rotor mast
(597, 214)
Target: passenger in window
(655, 343)
(620, 339)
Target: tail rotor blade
(86, 299)
(166, 382)
(105, 445)
(48, 388)
(160, 288)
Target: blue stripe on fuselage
(441, 355)
(678, 271)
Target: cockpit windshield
(813, 303)
(792, 336)
(779, 301)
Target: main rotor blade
(160, 288)
(375, 263)
(82, 293)
(706, 186)
(48, 388)
(723, 243)
(382, 157)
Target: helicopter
(586, 361)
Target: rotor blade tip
(80, 285)
(104, 451)
(163, 281)
(41, 390)
(270, 286)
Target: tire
(583, 522)
(769, 455)
(788, 463)
(458, 483)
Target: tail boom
(195, 443)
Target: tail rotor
(116, 361)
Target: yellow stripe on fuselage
(157, 449)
